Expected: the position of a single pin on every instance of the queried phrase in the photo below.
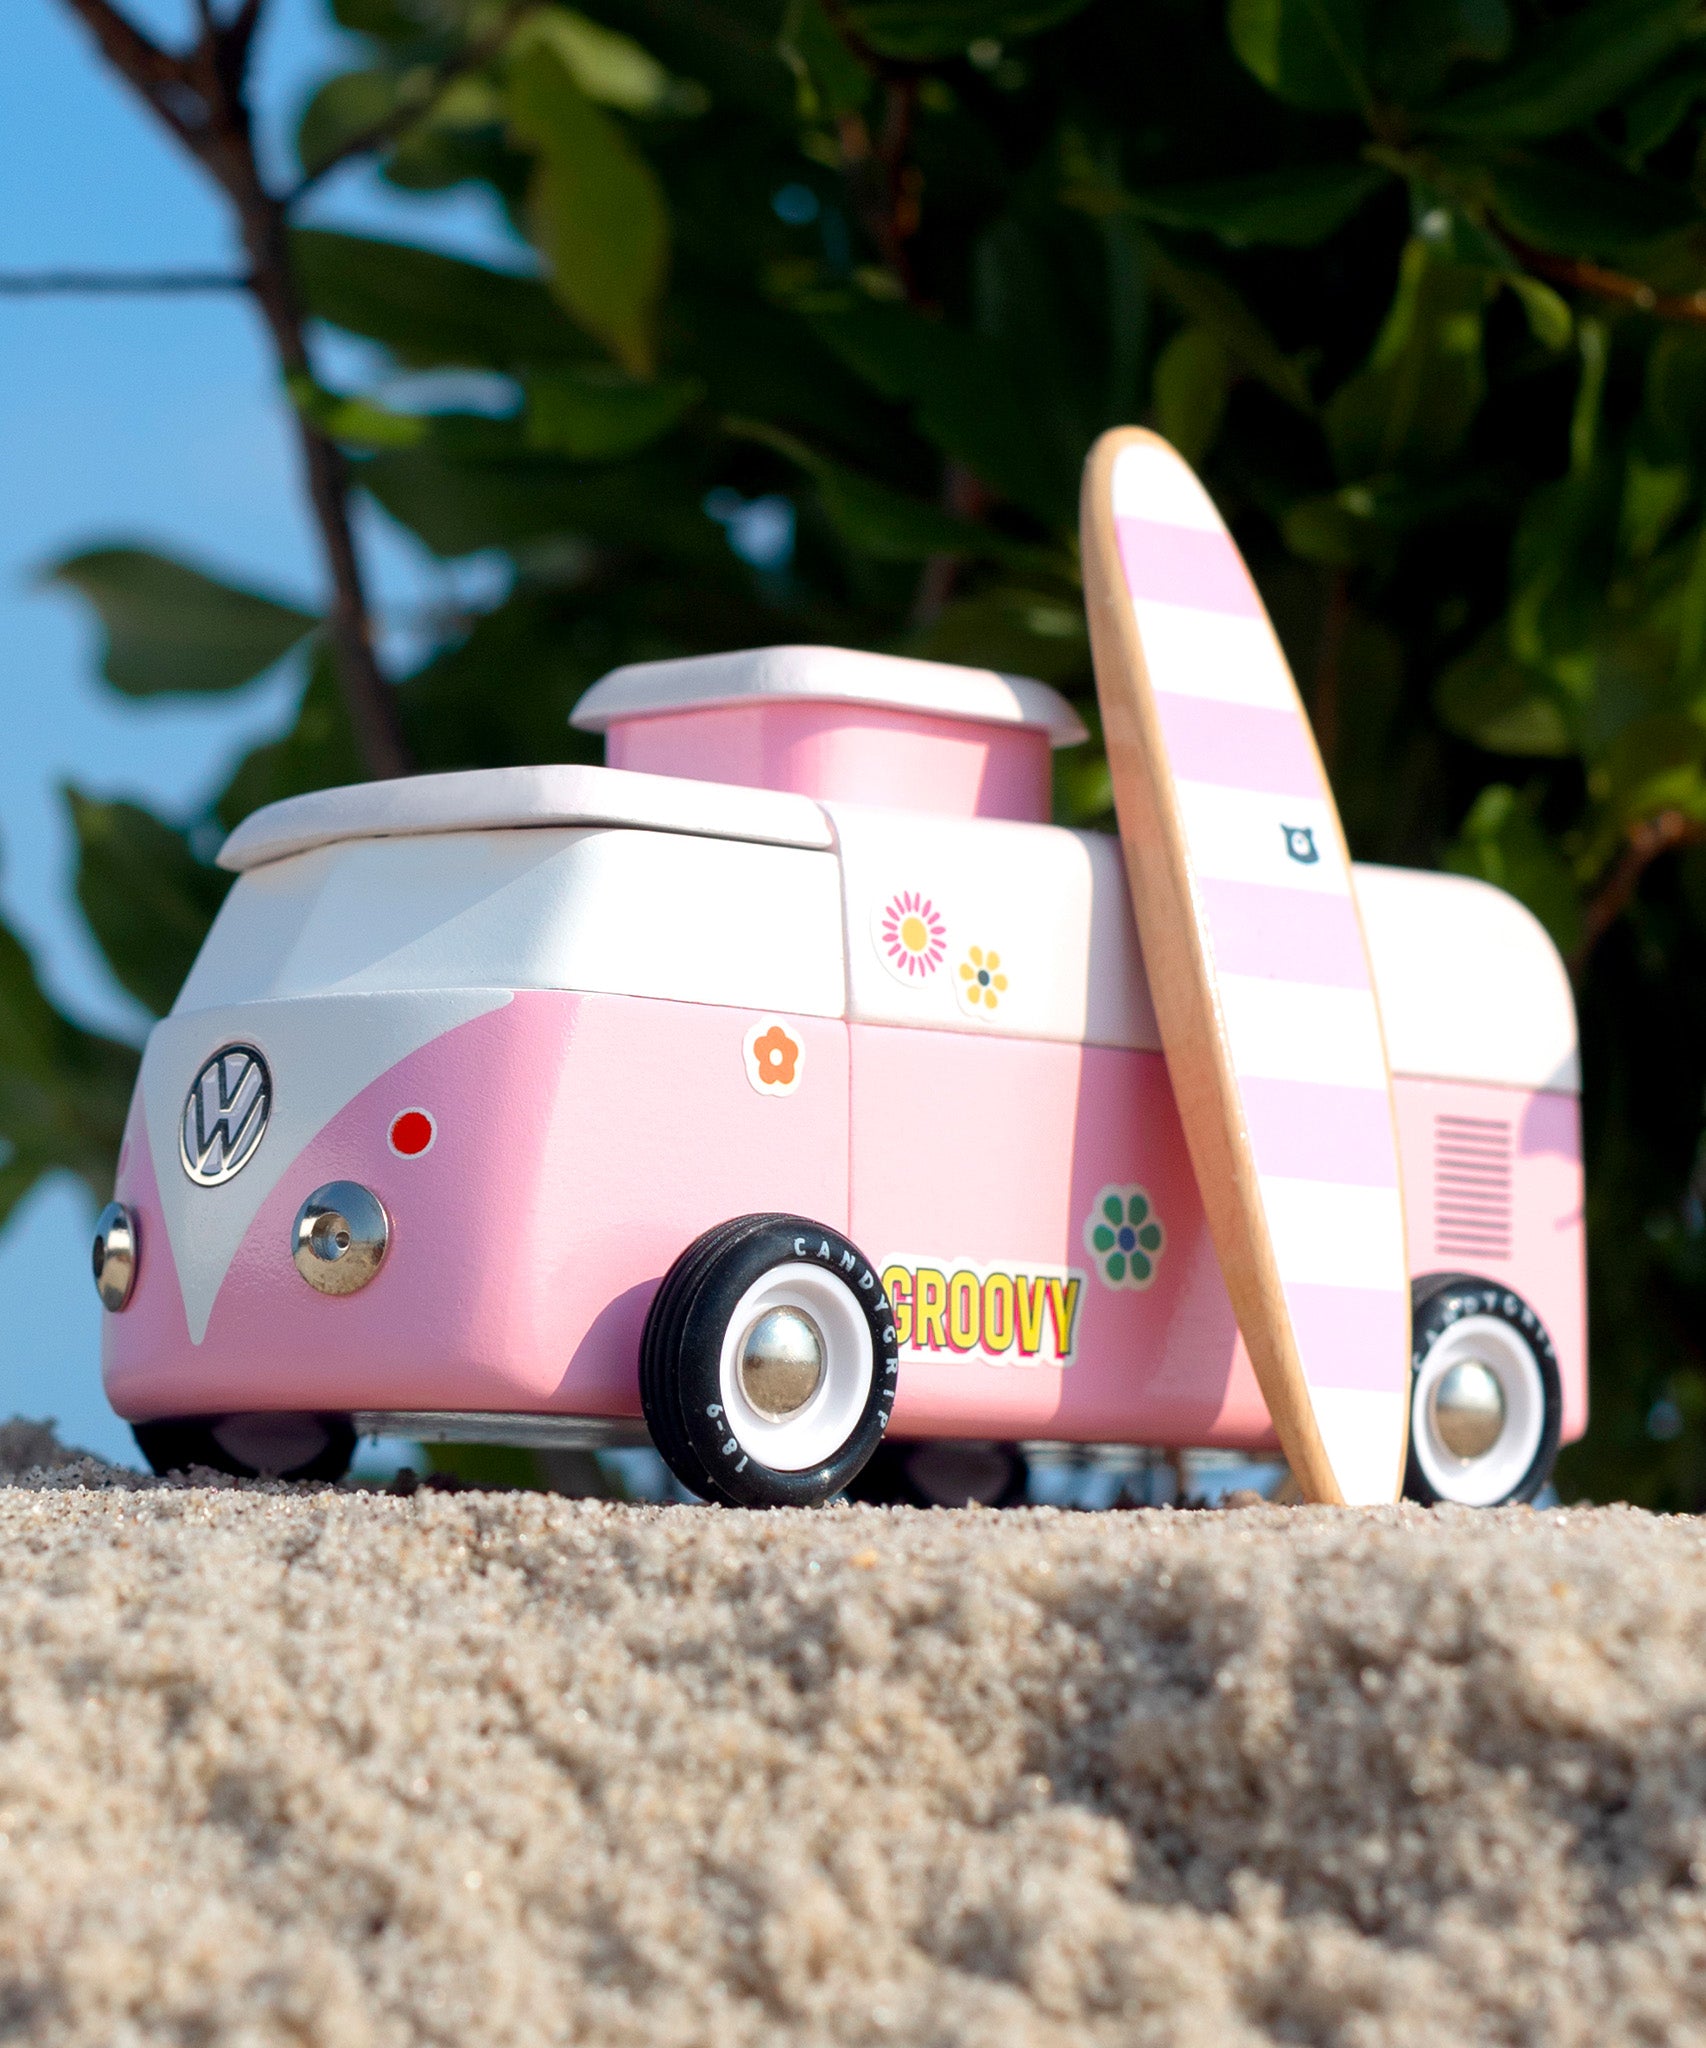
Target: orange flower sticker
(775, 1058)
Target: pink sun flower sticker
(912, 936)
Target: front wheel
(768, 1363)
(1486, 1404)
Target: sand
(294, 1765)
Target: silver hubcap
(340, 1237)
(1467, 1409)
(781, 1362)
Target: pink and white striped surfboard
(1257, 964)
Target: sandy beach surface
(295, 1765)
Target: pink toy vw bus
(787, 1081)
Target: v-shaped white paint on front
(322, 1051)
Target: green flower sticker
(1124, 1236)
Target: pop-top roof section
(829, 675)
(498, 799)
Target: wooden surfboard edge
(1189, 1017)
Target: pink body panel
(1493, 1186)
(857, 753)
(983, 1151)
(583, 1141)
(979, 1153)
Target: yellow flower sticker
(981, 981)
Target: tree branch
(44, 284)
(201, 97)
(1613, 285)
(1646, 841)
(140, 61)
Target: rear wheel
(250, 1446)
(1486, 1404)
(768, 1363)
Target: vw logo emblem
(225, 1115)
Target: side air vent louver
(1472, 1187)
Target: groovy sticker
(990, 1315)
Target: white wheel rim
(820, 1428)
(1506, 1353)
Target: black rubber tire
(1437, 1300)
(660, 1341)
(178, 1443)
(897, 1476)
(681, 1350)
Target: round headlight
(339, 1237)
(113, 1256)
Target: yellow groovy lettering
(1063, 1307)
(1032, 1292)
(964, 1299)
(897, 1285)
(997, 1313)
(930, 1310)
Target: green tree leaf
(1487, 697)
(1415, 45)
(596, 207)
(1290, 208)
(148, 899)
(1021, 629)
(595, 414)
(886, 524)
(1192, 383)
(171, 629)
(829, 78)
(1568, 70)
(1414, 402)
(1502, 841)
(429, 309)
(1550, 320)
(1208, 300)
(1653, 765)
(64, 1090)
(503, 693)
(1653, 116)
(1311, 53)
(351, 105)
(460, 503)
(966, 395)
(357, 421)
(393, 21)
(1583, 213)
(319, 752)
(607, 66)
(922, 30)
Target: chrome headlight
(339, 1237)
(113, 1256)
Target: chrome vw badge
(225, 1115)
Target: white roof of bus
(490, 799)
(1470, 986)
(831, 675)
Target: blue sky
(139, 420)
